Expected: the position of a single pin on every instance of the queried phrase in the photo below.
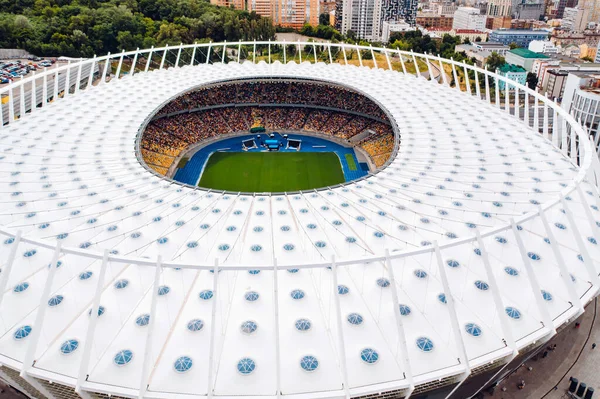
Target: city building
(554, 84)
(447, 8)
(363, 17)
(593, 8)
(493, 23)
(543, 46)
(575, 19)
(390, 27)
(512, 72)
(582, 99)
(435, 21)
(528, 24)
(591, 38)
(523, 57)
(469, 18)
(398, 10)
(499, 8)
(521, 38)
(237, 4)
(327, 6)
(471, 35)
(294, 13)
(480, 56)
(528, 10)
(597, 58)
(563, 4)
(586, 51)
(492, 47)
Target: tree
(324, 19)
(495, 61)
(532, 80)
(513, 46)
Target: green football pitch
(271, 171)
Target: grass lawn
(271, 171)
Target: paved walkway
(6, 392)
(573, 356)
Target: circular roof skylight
(248, 327)
(195, 325)
(69, 346)
(206, 295)
(143, 320)
(425, 344)
(183, 364)
(123, 357)
(303, 324)
(246, 366)
(355, 319)
(251, 296)
(309, 363)
(369, 355)
(22, 332)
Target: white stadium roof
(70, 171)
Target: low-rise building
(472, 35)
(521, 38)
(523, 57)
(480, 56)
(512, 72)
(590, 38)
(389, 27)
(498, 23)
(464, 34)
(528, 24)
(435, 21)
(492, 47)
(543, 46)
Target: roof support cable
(458, 340)
(404, 357)
(38, 324)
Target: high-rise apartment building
(499, 8)
(294, 13)
(365, 17)
(469, 18)
(237, 4)
(289, 13)
(593, 8)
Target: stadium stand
(284, 105)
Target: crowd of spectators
(379, 147)
(278, 92)
(203, 114)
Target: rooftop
(521, 32)
(463, 31)
(511, 68)
(525, 53)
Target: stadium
(349, 222)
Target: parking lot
(24, 68)
(15, 69)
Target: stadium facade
(435, 275)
